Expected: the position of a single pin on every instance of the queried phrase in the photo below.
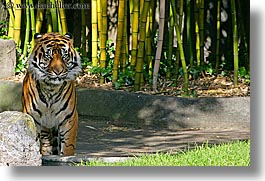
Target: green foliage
(21, 62)
(232, 154)
(3, 30)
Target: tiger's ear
(68, 35)
(37, 37)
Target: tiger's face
(54, 59)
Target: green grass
(232, 154)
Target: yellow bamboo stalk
(118, 41)
(94, 45)
(141, 47)
(196, 14)
(39, 17)
(103, 38)
(135, 32)
(62, 17)
(17, 23)
(99, 17)
(124, 40)
(159, 43)
(11, 21)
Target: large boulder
(8, 58)
(18, 140)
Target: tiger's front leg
(68, 134)
(46, 141)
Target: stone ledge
(147, 111)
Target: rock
(8, 58)
(18, 143)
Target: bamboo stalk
(39, 17)
(32, 22)
(197, 31)
(159, 43)
(60, 31)
(135, 23)
(94, 45)
(235, 41)
(49, 21)
(218, 36)
(118, 41)
(103, 38)
(54, 17)
(189, 39)
(83, 30)
(99, 18)
(17, 23)
(141, 47)
(170, 42)
(181, 51)
(124, 40)
(11, 21)
(62, 17)
(201, 29)
(148, 41)
(25, 48)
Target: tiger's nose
(58, 70)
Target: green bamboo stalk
(235, 41)
(201, 29)
(197, 32)
(189, 31)
(181, 51)
(159, 43)
(60, 31)
(25, 48)
(83, 30)
(32, 22)
(170, 42)
(54, 17)
(94, 22)
(135, 32)
(39, 18)
(217, 56)
(62, 17)
(118, 41)
(103, 38)
(17, 23)
(141, 46)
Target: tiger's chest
(53, 105)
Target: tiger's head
(54, 59)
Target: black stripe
(60, 91)
(42, 97)
(32, 97)
(66, 103)
(67, 117)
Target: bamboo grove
(154, 39)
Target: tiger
(48, 92)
